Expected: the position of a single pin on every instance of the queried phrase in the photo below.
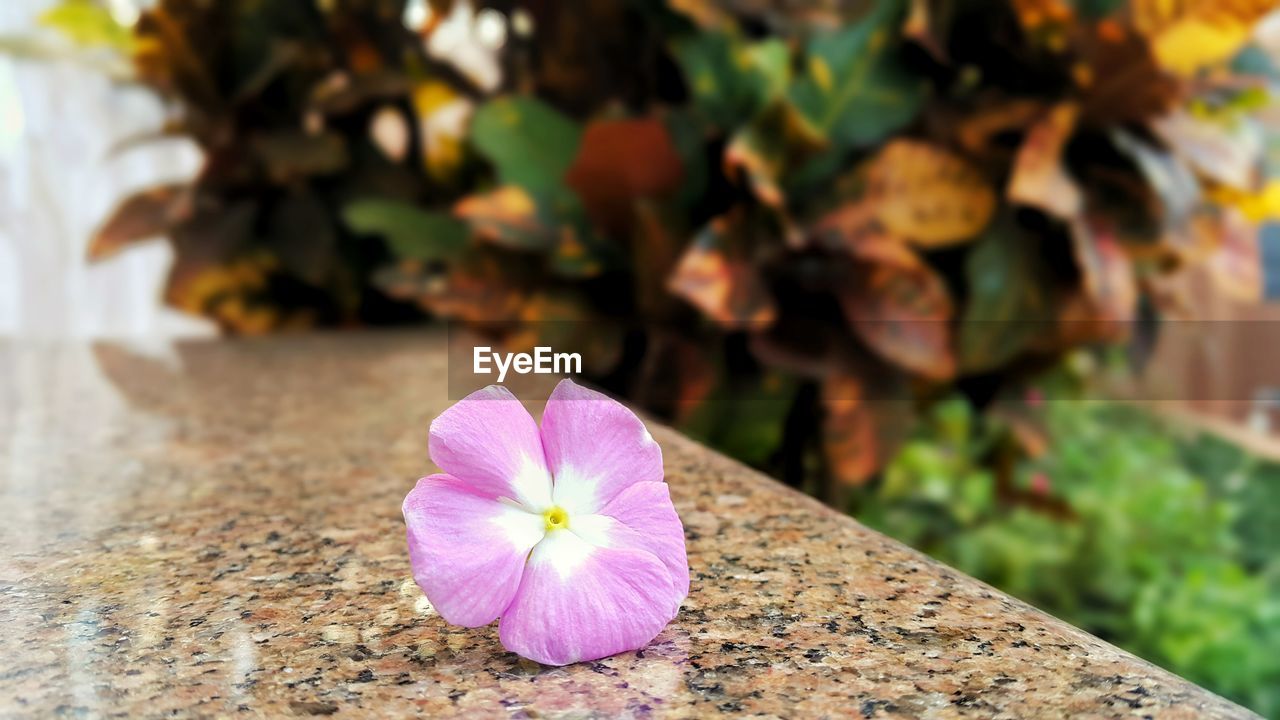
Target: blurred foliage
(801, 208)
(1116, 531)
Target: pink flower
(568, 534)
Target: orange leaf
(619, 162)
(724, 286)
(860, 434)
(981, 132)
(506, 216)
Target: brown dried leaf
(475, 290)
(922, 26)
(903, 312)
(142, 216)
(1039, 177)
(507, 216)
(716, 278)
(927, 194)
(289, 155)
(1119, 78)
(860, 433)
(983, 132)
(894, 301)
(204, 248)
(1105, 305)
(763, 151)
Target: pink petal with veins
(491, 443)
(646, 510)
(595, 448)
(581, 602)
(467, 551)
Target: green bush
(1115, 530)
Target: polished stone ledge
(214, 528)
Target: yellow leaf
(927, 194)
(1189, 35)
(442, 121)
(431, 96)
(821, 72)
(1262, 206)
(1191, 44)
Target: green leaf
(686, 136)
(409, 231)
(1006, 306)
(533, 146)
(769, 148)
(529, 143)
(854, 91)
(1095, 9)
(771, 61)
(744, 418)
(88, 24)
(732, 80)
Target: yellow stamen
(556, 518)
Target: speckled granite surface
(214, 529)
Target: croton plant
(821, 215)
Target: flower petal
(605, 532)
(490, 442)
(581, 602)
(595, 448)
(646, 510)
(467, 551)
